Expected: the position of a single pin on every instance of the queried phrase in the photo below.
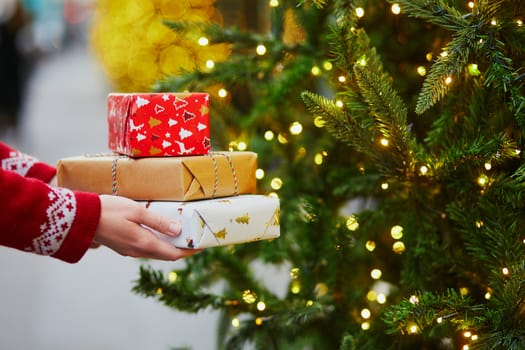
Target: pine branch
(505, 322)
(437, 12)
(389, 113)
(153, 284)
(351, 46)
(447, 66)
(338, 122)
(428, 310)
(474, 151)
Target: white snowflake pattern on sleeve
(60, 214)
(18, 162)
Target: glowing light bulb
(439, 320)
(463, 291)
(318, 159)
(319, 122)
(235, 322)
(203, 41)
(519, 22)
(398, 247)
(359, 12)
(273, 3)
(258, 321)
(444, 54)
(376, 274)
(493, 22)
(365, 326)
(488, 166)
(249, 297)
(467, 334)
(505, 271)
(479, 223)
(259, 174)
(351, 223)
(381, 298)
(260, 49)
(423, 170)
(159, 291)
(172, 276)
(370, 246)
(470, 4)
(384, 186)
(296, 128)
(341, 78)
(276, 183)
(384, 142)
(282, 139)
(295, 287)
(422, 71)
(488, 295)
(268, 135)
(242, 146)
(261, 306)
(210, 64)
(371, 295)
(327, 65)
(339, 103)
(465, 347)
(396, 232)
(316, 71)
(309, 303)
(474, 337)
(222, 93)
(365, 313)
(429, 56)
(396, 9)
(412, 328)
(414, 299)
(483, 180)
(448, 80)
(473, 69)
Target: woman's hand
(120, 228)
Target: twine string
(232, 168)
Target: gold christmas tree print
(154, 122)
(243, 219)
(221, 234)
(154, 150)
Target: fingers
(160, 223)
(161, 250)
(94, 245)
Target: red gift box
(159, 124)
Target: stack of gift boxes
(161, 157)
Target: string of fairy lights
(377, 295)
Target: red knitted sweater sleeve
(41, 219)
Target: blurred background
(53, 105)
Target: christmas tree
(392, 133)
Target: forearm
(46, 220)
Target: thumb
(161, 223)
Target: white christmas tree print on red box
(159, 124)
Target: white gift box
(221, 221)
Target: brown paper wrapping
(218, 174)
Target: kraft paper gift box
(217, 174)
(222, 221)
(158, 124)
